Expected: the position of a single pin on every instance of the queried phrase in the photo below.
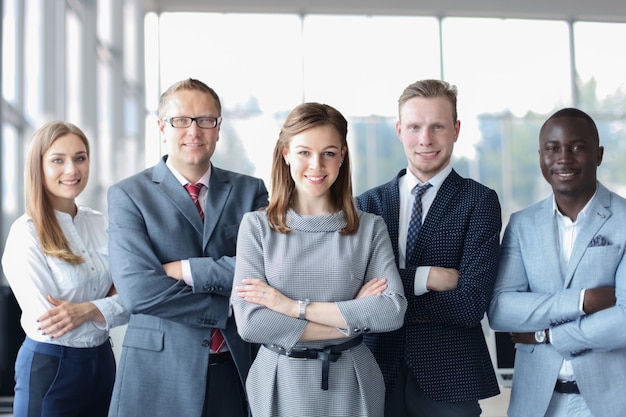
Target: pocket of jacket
(148, 339)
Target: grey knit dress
(314, 261)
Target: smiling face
(428, 131)
(65, 167)
(569, 155)
(190, 149)
(314, 157)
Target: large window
(87, 64)
(511, 74)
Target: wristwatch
(302, 308)
(540, 336)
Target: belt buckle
(294, 350)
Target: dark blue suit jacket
(442, 330)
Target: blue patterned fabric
(442, 334)
(415, 223)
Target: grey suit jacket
(164, 363)
(533, 292)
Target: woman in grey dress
(312, 275)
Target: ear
(600, 154)
(398, 129)
(457, 129)
(285, 157)
(161, 124)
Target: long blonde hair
(301, 118)
(38, 206)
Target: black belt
(566, 387)
(216, 358)
(326, 355)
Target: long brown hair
(38, 206)
(304, 117)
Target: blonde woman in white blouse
(56, 261)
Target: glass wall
(103, 64)
(76, 61)
(511, 75)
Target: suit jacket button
(206, 343)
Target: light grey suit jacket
(533, 292)
(164, 363)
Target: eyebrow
(308, 147)
(63, 154)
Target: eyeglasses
(202, 122)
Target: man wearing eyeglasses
(172, 240)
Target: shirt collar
(204, 179)
(583, 212)
(436, 181)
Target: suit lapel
(597, 215)
(216, 198)
(446, 193)
(548, 236)
(392, 217)
(167, 184)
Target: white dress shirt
(33, 275)
(568, 232)
(204, 180)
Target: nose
(193, 129)
(314, 161)
(565, 154)
(424, 137)
(70, 167)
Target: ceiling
(598, 10)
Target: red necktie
(217, 338)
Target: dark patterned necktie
(217, 338)
(416, 218)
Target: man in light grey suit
(174, 271)
(561, 286)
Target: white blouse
(33, 275)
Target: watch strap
(302, 304)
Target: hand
(442, 279)
(66, 316)
(259, 292)
(174, 270)
(375, 286)
(112, 291)
(597, 299)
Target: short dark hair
(575, 113)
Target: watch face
(540, 336)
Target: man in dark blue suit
(438, 363)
